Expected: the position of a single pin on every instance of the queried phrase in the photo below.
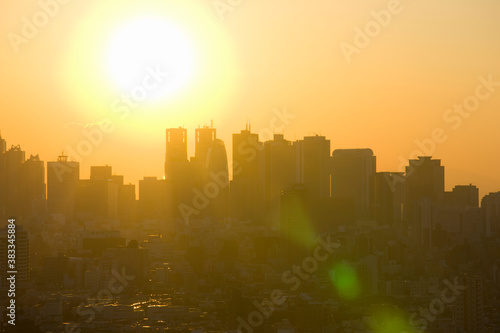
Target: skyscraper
(204, 137)
(490, 206)
(33, 186)
(312, 165)
(425, 179)
(247, 185)
(98, 196)
(62, 187)
(424, 187)
(217, 174)
(14, 158)
(352, 171)
(387, 198)
(178, 170)
(3, 178)
(278, 173)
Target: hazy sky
(247, 62)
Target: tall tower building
(153, 196)
(14, 158)
(62, 187)
(312, 165)
(204, 137)
(424, 187)
(352, 171)
(278, 175)
(490, 206)
(3, 178)
(33, 186)
(425, 179)
(98, 196)
(218, 175)
(178, 170)
(387, 198)
(247, 186)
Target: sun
(145, 45)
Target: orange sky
(263, 56)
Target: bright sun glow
(150, 44)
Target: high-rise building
(387, 198)
(101, 172)
(33, 186)
(14, 158)
(425, 179)
(127, 204)
(312, 165)
(352, 171)
(490, 206)
(463, 195)
(3, 178)
(278, 173)
(247, 203)
(98, 196)
(153, 198)
(204, 137)
(62, 187)
(217, 175)
(178, 170)
(424, 188)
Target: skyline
(76, 155)
(418, 66)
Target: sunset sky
(246, 63)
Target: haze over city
(237, 166)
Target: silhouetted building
(101, 172)
(217, 177)
(312, 165)
(247, 202)
(154, 197)
(204, 137)
(62, 186)
(3, 178)
(490, 206)
(178, 170)
(463, 195)
(278, 173)
(14, 158)
(352, 171)
(33, 186)
(387, 198)
(127, 204)
(425, 179)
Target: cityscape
(237, 166)
(301, 239)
